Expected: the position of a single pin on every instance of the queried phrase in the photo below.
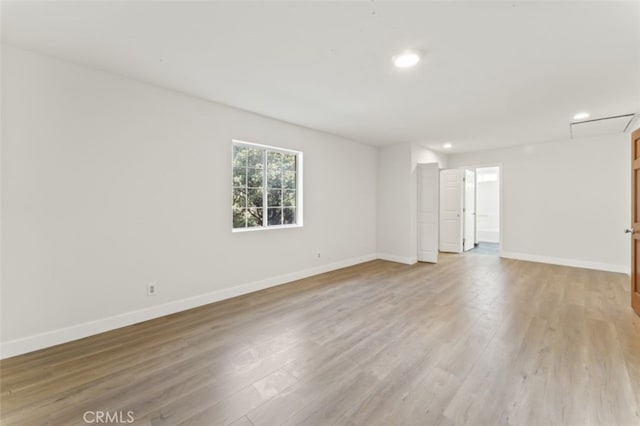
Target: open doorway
(487, 193)
(469, 210)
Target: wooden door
(635, 218)
(451, 210)
(428, 196)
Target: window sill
(264, 228)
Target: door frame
(501, 207)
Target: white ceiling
(494, 74)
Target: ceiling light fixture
(407, 59)
(581, 116)
(447, 146)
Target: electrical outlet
(151, 289)
(318, 255)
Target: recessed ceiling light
(447, 146)
(581, 116)
(407, 59)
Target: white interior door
(428, 191)
(451, 210)
(469, 209)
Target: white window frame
(299, 173)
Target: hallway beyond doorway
(492, 249)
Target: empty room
(320, 213)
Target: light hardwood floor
(473, 340)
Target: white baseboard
(568, 262)
(398, 259)
(63, 335)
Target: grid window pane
(239, 176)
(289, 198)
(275, 198)
(274, 178)
(289, 180)
(274, 160)
(275, 216)
(288, 216)
(239, 198)
(255, 158)
(254, 197)
(289, 162)
(240, 154)
(255, 177)
(254, 217)
(239, 218)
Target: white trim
(265, 228)
(576, 263)
(398, 259)
(267, 147)
(62, 335)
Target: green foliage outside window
(264, 183)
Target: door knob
(629, 231)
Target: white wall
(108, 183)
(488, 205)
(397, 199)
(394, 204)
(422, 155)
(565, 202)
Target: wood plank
(474, 339)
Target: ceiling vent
(601, 126)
